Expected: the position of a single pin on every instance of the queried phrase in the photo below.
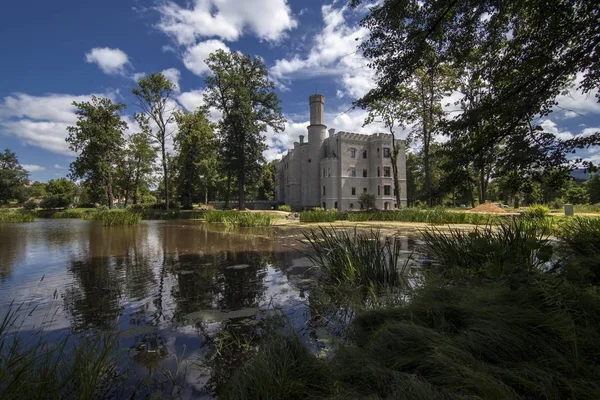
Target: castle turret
(317, 132)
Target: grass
(355, 258)
(118, 217)
(233, 218)
(36, 369)
(580, 241)
(76, 213)
(587, 208)
(16, 216)
(320, 216)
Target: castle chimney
(317, 107)
(301, 139)
(331, 132)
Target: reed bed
(76, 213)
(232, 218)
(320, 216)
(119, 217)
(16, 216)
(356, 258)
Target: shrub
(537, 211)
(248, 220)
(55, 202)
(357, 258)
(13, 216)
(367, 200)
(119, 217)
(319, 216)
(581, 243)
(30, 205)
(285, 208)
(431, 216)
(75, 213)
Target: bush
(248, 220)
(367, 200)
(537, 211)
(581, 243)
(30, 205)
(119, 217)
(319, 216)
(75, 213)
(13, 217)
(357, 258)
(55, 202)
(285, 208)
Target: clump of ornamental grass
(219, 216)
(118, 217)
(580, 242)
(537, 211)
(82, 368)
(16, 216)
(248, 220)
(284, 207)
(317, 215)
(356, 258)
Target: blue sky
(56, 52)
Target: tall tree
(196, 158)
(529, 54)
(239, 87)
(136, 166)
(154, 96)
(97, 138)
(13, 177)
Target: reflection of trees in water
(12, 247)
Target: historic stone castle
(332, 171)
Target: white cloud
(33, 167)
(110, 61)
(551, 127)
(573, 103)
(195, 56)
(138, 75)
(56, 166)
(334, 53)
(173, 75)
(226, 19)
(191, 100)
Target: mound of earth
(488, 208)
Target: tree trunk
(228, 192)
(394, 157)
(109, 193)
(165, 175)
(482, 186)
(427, 173)
(241, 200)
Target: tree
(59, 193)
(367, 200)
(266, 187)
(593, 186)
(529, 55)
(37, 189)
(239, 87)
(154, 97)
(196, 154)
(98, 139)
(136, 167)
(13, 177)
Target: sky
(54, 53)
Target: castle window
(351, 205)
(378, 172)
(352, 153)
(365, 173)
(329, 171)
(387, 189)
(323, 190)
(352, 172)
(378, 190)
(386, 152)
(386, 172)
(364, 190)
(323, 172)
(364, 154)
(353, 191)
(378, 152)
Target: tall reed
(14, 216)
(119, 217)
(356, 258)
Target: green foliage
(240, 88)
(14, 216)
(577, 195)
(196, 162)
(319, 216)
(13, 177)
(49, 202)
(37, 189)
(357, 258)
(118, 217)
(593, 187)
(282, 369)
(581, 243)
(537, 211)
(431, 216)
(30, 205)
(587, 208)
(98, 140)
(367, 200)
(284, 207)
(75, 213)
(234, 218)
(511, 250)
(153, 96)
(61, 187)
(135, 168)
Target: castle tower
(317, 132)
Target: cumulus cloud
(333, 53)
(173, 75)
(56, 166)
(226, 19)
(574, 103)
(195, 56)
(33, 167)
(110, 61)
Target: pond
(168, 287)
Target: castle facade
(332, 169)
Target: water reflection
(170, 288)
